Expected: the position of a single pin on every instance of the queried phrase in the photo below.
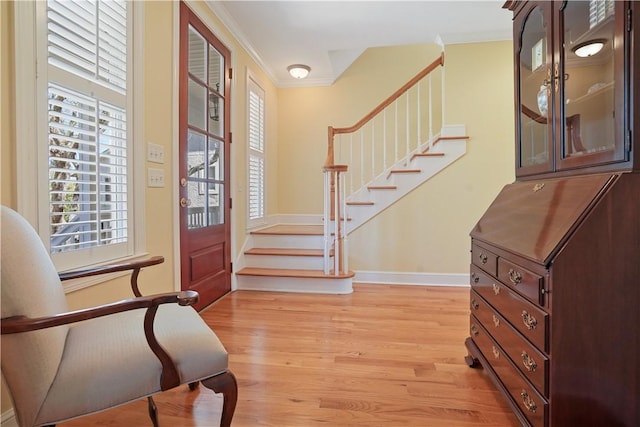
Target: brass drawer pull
(496, 321)
(515, 276)
(496, 352)
(528, 402)
(483, 257)
(475, 277)
(474, 330)
(474, 304)
(528, 362)
(529, 321)
(496, 289)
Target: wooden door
(205, 220)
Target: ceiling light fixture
(589, 48)
(299, 71)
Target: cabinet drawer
(531, 404)
(529, 360)
(484, 259)
(526, 282)
(531, 321)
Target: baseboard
(8, 419)
(410, 278)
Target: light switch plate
(155, 177)
(155, 153)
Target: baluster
(384, 139)
(430, 117)
(361, 158)
(350, 163)
(373, 149)
(418, 115)
(395, 127)
(407, 120)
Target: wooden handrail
(394, 96)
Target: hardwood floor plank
(382, 356)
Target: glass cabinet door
(534, 84)
(590, 83)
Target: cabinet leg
(472, 362)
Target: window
(81, 87)
(256, 166)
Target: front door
(205, 221)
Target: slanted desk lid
(535, 218)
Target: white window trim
(28, 128)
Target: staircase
(313, 257)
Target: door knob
(185, 202)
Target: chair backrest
(30, 287)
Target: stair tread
(286, 272)
(428, 154)
(292, 229)
(360, 203)
(382, 187)
(284, 252)
(405, 171)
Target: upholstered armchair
(61, 364)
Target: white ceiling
(329, 35)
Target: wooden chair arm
(18, 324)
(135, 265)
(169, 378)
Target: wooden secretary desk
(555, 259)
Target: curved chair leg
(153, 411)
(226, 384)
(193, 386)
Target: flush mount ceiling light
(299, 71)
(589, 48)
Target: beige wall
(432, 234)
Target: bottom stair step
(290, 280)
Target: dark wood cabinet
(555, 259)
(572, 100)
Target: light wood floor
(382, 356)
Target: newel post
(334, 233)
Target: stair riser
(295, 284)
(287, 241)
(280, 261)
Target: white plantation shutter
(87, 73)
(256, 166)
(89, 38)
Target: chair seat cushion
(107, 361)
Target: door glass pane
(196, 182)
(197, 106)
(216, 203)
(197, 54)
(216, 114)
(216, 160)
(588, 77)
(535, 91)
(216, 70)
(195, 209)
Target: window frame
(32, 130)
(254, 83)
